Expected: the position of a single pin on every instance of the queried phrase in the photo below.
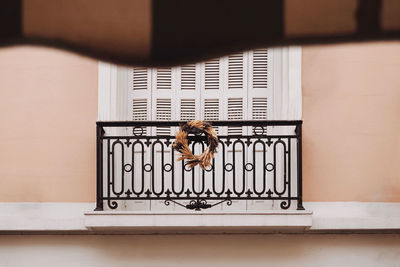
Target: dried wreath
(181, 143)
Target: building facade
(346, 96)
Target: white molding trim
(105, 81)
(294, 109)
(287, 83)
(326, 216)
(112, 92)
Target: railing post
(299, 167)
(99, 167)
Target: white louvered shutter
(259, 108)
(235, 71)
(260, 89)
(162, 93)
(211, 109)
(188, 109)
(163, 89)
(236, 90)
(188, 77)
(188, 92)
(212, 90)
(235, 112)
(140, 96)
(139, 113)
(163, 113)
(164, 77)
(212, 74)
(259, 97)
(260, 69)
(140, 105)
(234, 107)
(140, 78)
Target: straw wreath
(181, 143)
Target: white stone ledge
(199, 222)
(30, 216)
(354, 215)
(79, 217)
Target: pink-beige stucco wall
(351, 109)
(351, 112)
(48, 109)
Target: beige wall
(201, 250)
(351, 109)
(351, 112)
(48, 109)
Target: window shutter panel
(139, 113)
(139, 78)
(235, 109)
(235, 71)
(164, 76)
(259, 98)
(260, 68)
(259, 111)
(211, 109)
(140, 97)
(188, 77)
(259, 108)
(235, 112)
(211, 74)
(163, 113)
(188, 109)
(259, 92)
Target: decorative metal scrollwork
(141, 166)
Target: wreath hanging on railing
(182, 146)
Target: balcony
(258, 167)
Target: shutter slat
(260, 68)
(188, 109)
(188, 77)
(139, 79)
(164, 78)
(163, 113)
(211, 111)
(139, 113)
(235, 112)
(259, 111)
(235, 71)
(211, 79)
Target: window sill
(199, 222)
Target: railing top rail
(214, 123)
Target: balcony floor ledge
(198, 222)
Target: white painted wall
(201, 250)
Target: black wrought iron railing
(256, 161)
